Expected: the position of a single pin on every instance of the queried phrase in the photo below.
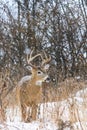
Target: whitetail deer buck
(30, 91)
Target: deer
(31, 86)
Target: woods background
(57, 26)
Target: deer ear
(29, 68)
(46, 67)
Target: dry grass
(76, 110)
(64, 90)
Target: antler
(31, 58)
(46, 59)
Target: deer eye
(39, 72)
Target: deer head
(39, 73)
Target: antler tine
(46, 60)
(45, 55)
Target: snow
(13, 114)
(28, 126)
(40, 126)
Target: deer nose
(48, 79)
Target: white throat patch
(39, 82)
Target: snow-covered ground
(42, 126)
(68, 114)
(28, 126)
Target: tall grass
(58, 103)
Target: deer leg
(26, 113)
(34, 111)
(23, 112)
